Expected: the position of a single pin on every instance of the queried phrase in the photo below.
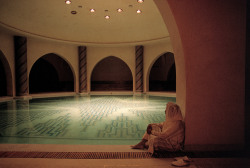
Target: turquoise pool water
(118, 120)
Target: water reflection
(70, 120)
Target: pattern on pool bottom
(86, 118)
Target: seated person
(165, 136)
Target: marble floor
(197, 162)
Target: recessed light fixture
(73, 12)
(119, 10)
(138, 11)
(68, 2)
(140, 1)
(107, 17)
(92, 10)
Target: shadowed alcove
(5, 77)
(163, 74)
(111, 74)
(51, 73)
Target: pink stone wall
(212, 43)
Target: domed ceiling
(76, 22)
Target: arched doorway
(51, 73)
(5, 77)
(163, 74)
(111, 74)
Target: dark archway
(111, 74)
(3, 81)
(163, 74)
(6, 88)
(51, 73)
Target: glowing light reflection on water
(80, 120)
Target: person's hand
(149, 129)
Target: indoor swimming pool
(104, 120)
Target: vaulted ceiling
(56, 20)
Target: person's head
(173, 112)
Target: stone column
(21, 65)
(139, 68)
(82, 52)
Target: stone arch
(5, 77)
(162, 74)
(199, 58)
(51, 73)
(111, 74)
(169, 19)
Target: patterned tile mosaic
(80, 120)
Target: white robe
(169, 135)
(166, 137)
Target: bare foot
(138, 146)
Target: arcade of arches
(51, 73)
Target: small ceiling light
(68, 2)
(138, 11)
(140, 1)
(107, 17)
(119, 10)
(73, 12)
(92, 10)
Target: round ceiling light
(92, 10)
(119, 10)
(138, 11)
(140, 1)
(107, 17)
(68, 2)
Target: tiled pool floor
(95, 120)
